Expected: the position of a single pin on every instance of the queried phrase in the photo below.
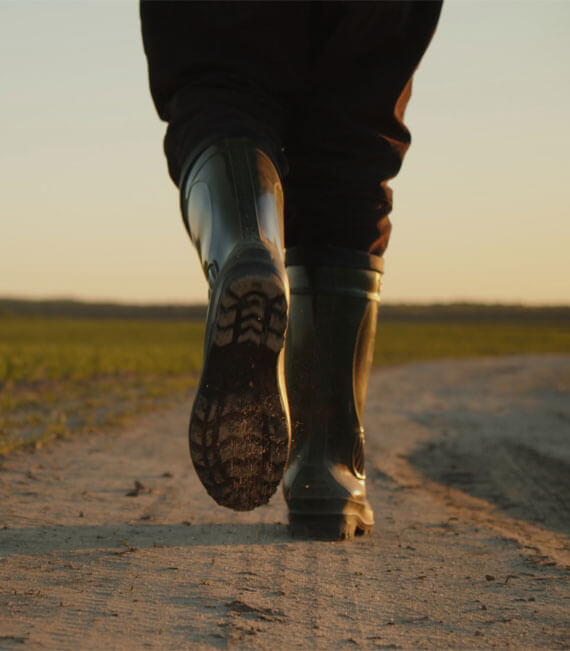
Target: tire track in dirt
(492, 442)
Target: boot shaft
(329, 351)
(232, 197)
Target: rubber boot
(232, 203)
(329, 353)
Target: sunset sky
(482, 205)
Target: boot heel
(253, 309)
(327, 527)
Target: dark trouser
(322, 86)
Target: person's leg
(345, 141)
(346, 137)
(226, 70)
(217, 71)
(221, 69)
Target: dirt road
(111, 542)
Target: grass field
(61, 376)
(408, 341)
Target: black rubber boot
(328, 358)
(232, 203)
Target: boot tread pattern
(253, 310)
(239, 430)
(239, 468)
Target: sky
(481, 206)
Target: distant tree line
(82, 310)
(475, 312)
(458, 312)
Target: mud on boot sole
(239, 428)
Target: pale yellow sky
(482, 205)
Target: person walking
(285, 124)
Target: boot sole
(239, 428)
(327, 527)
(329, 518)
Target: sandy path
(469, 476)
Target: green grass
(403, 342)
(66, 376)
(62, 376)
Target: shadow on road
(123, 539)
